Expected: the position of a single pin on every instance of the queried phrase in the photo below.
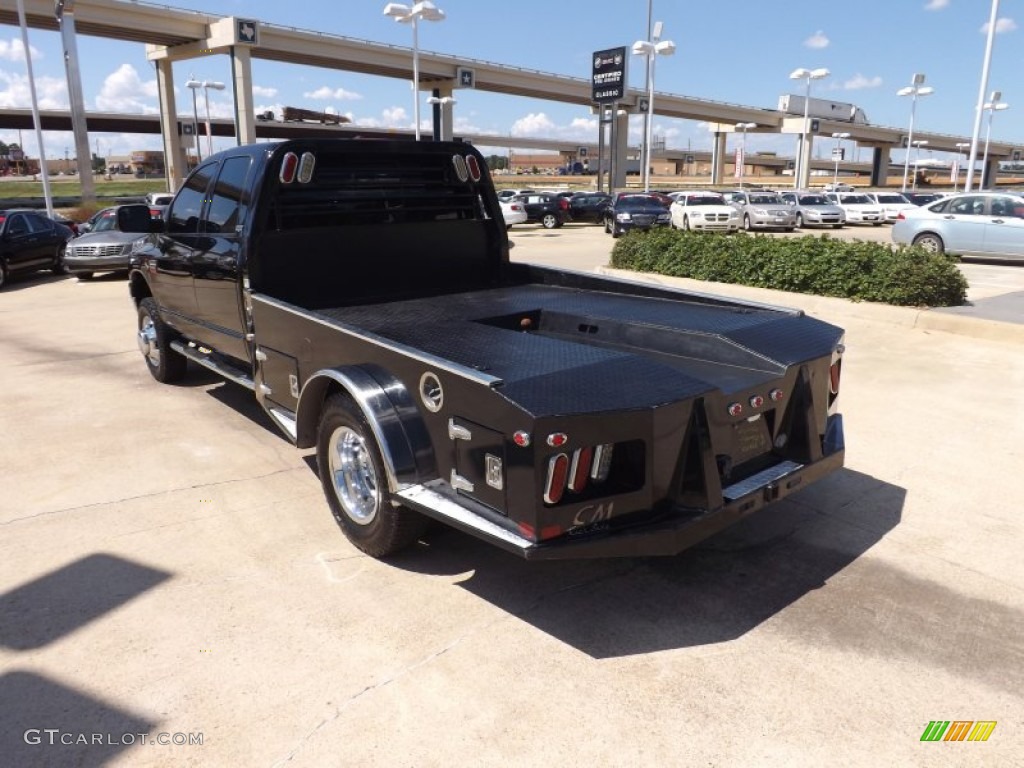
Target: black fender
(390, 410)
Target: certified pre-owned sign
(609, 76)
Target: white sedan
(513, 211)
(703, 211)
(859, 208)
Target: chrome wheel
(931, 243)
(352, 475)
(147, 340)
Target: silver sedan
(982, 224)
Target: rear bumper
(668, 534)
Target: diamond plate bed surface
(536, 368)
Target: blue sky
(740, 52)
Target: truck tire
(355, 482)
(166, 365)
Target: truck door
(215, 265)
(173, 279)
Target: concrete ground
(168, 566)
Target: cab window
(229, 202)
(183, 216)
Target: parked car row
(30, 241)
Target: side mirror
(134, 218)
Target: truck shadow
(712, 593)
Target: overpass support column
(718, 157)
(880, 167)
(241, 83)
(174, 155)
(444, 113)
(806, 147)
(989, 173)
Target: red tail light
(900, 216)
(563, 203)
(155, 213)
(833, 377)
(580, 469)
(558, 473)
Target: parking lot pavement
(168, 565)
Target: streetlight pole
(960, 147)
(801, 166)
(917, 156)
(835, 156)
(441, 102)
(192, 85)
(651, 48)
(993, 106)
(405, 14)
(913, 90)
(982, 87)
(741, 161)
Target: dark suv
(29, 242)
(551, 211)
(589, 206)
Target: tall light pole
(917, 156)
(808, 75)
(405, 14)
(192, 85)
(982, 87)
(206, 85)
(960, 147)
(651, 48)
(993, 106)
(835, 156)
(741, 161)
(915, 89)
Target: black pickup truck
(363, 290)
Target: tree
(99, 164)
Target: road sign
(643, 105)
(247, 31)
(188, 129)
(1016, 155)
(689, 160)
(608, 76)
(466, 77)
(815, 126)
(838, 153)
(581, 152)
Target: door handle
(998, 221)
(949, 216)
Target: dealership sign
(608, 79)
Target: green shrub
(904, 276)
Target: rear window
(705, 200)
(856, 199)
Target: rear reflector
(460, 167)
(735, 409)
(558, 473)
(289, 165)
(474, 167)
(580, 469)
(306, 165)
(833, 376)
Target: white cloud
(1004, 24)
(859, 82)
(817, 40)
(124, 91)
(13, 50)
(326, 92)
(266, 93)
(936, 5)
(52, 92)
